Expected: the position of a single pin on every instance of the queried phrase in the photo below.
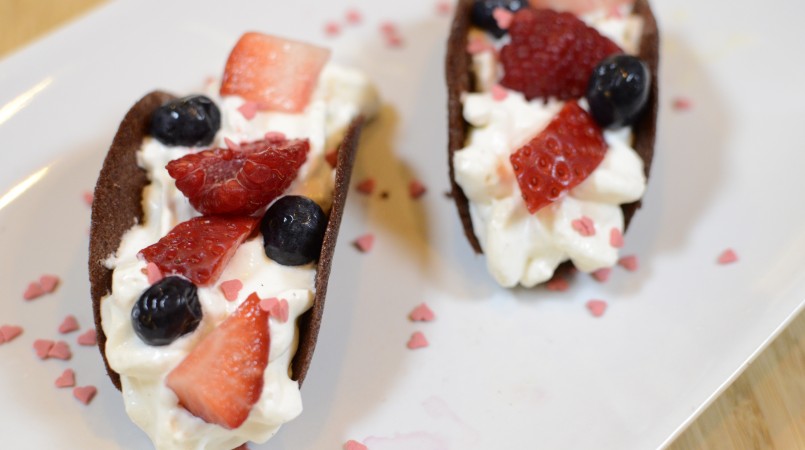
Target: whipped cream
(342, 95)
(523, 248)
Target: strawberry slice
(239, 181)
(200, 248)
(551, 54)
(277, 74)
(222, 377)
(560, 157)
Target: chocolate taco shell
(460, 79)
(117, 206)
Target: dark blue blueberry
(618, 90)
(482, 13)
(190, 121)
(293, 230)
(166, 310)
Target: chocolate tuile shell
(458, 70)
(117, 206)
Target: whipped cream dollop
(523, 248)
(341, 95)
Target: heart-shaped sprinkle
(728, 256)
(33, 291)
(628, 262)
(602, 275)
(422, 313)
(68, 325)
(267, 304)
(88, 197)
(248, 110)
(557, 284)
(231, 288)
(49, 283)
(88, 337)
(354, 445)
(43, 347)
(615, 238)
(85, 394)
(416, 189)
(66, 379)
(597, 307)
(503, 17)
(9, 332)
(417, 340)
(365, 242)
(153, 273)
(499, 93)
(60, 350)
(366, 186)
(584, 226)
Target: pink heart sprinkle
(231, 288)
(66, 379)
(416, 189)
(443, 8)
(354, 445)
(682, 104)
(9, 332)
(728, 256)
(365, 242)
(89, 337)
(153, 273)
(85, 394)
(597, 307)
(584, 226)
(602, 275)
(268, 304)
(388, 28)
(280, 311)
(60, 350)
(366, 186)
(42, 347)
(248, 110)
(332, 29)
(231, 145)
(49, 283)
(68, 325)
(277, 136)
(422, 313)
(499, 93)
(354, 17)
(478, 44)
(557, 284)
(88, 197)
(615, 238)
(503, 17)
(628, 262)
(34, 291)
(394, 41)
(417, 340)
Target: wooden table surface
(763, 409)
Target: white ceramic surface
(518, 369)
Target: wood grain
(763, 410)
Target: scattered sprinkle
(728, 256)
(388, 28)
(503, 17)
(682, 104)
(479, 44)
(366, 186)
(274, 136)
(354, 16)
(230, 144)
(60, 350)
(499, 93)
(85, 394)
(391, 34)
(153, 273)
(417, 340)
(248, 110)
(89, 337)
(597, 307)
(559, 284)
(9, 332)
(332, 157)
(422, 313)
(443, 7)
(68, 325)
(267, 304)
(49, 283)
(584, 226)
(33, 291)
(602, 275)
(88, 197)
(365, 243)
(354, 445)
(628, 262)
(280, 311)
(416, 189)
(42, 347)
(615, 238)
(394, 41)
(332, 29)
(230, 289)
(66, 379)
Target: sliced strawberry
(200, 248)
(559, 158)
(222, 377)
(551, 54)
(239, 181)
(277, 74)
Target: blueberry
(189, 121)
(293, 230)
(166, 310)
(618, 90)
(482, 17)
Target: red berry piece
(239, 181)
(552, 54)
(222, 377)
(200, 248)
(277, 74)
(559, 158)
